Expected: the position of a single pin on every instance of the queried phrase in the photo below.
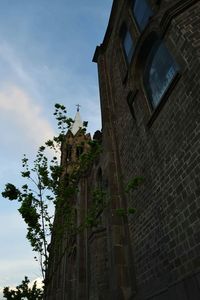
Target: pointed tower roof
(78, 123)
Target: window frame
(141, 28)
(130, 100)
(171, 84)
(123, 33)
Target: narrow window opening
(142, 12)
(128, 46)
(69, 152)
(79, 151)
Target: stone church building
(149, 79)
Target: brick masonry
(155, 253)
(162, 146)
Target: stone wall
(155, 253)
(162, 145)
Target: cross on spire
(78, 107)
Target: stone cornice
(108, 32)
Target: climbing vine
(132, 185)
(66, 206)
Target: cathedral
(140, 238)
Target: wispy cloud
(27, 117)
(15, 70)
(43, 60)
(21, 264)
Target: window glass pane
(128, 46)
(159, 73)
(142, 12)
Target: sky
(46, 51)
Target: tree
(46, 183)
(42, 187)
(23, 291)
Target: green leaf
(57, 105)
(26, 174)
(131, 210)
(121, 212)
(134, 183)
(11, 192)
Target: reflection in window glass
(159, 73)
(128, 45)
(142, 12)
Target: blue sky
(46, 50)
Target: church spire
(78, 107)
(78, 123)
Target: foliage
(66, 209)
(134, 183)
(42, 186)
(131, 210)
(64, 123)
(99, 203)
(122, 212)
(23, 291)
(47, 182)
(11, 192)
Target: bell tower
(75, 144)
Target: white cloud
(16, 256)
(12, 221)
(10, 56)
(13, 265)
(39, 281)
(27, 118)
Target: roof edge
(96, 54)
(103, 46)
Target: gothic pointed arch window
(159, 72)
(142, 12)
(127, 43)
(128, 46)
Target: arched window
(160, 70)
(128, 46)
(142, 12)
(127, 43)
